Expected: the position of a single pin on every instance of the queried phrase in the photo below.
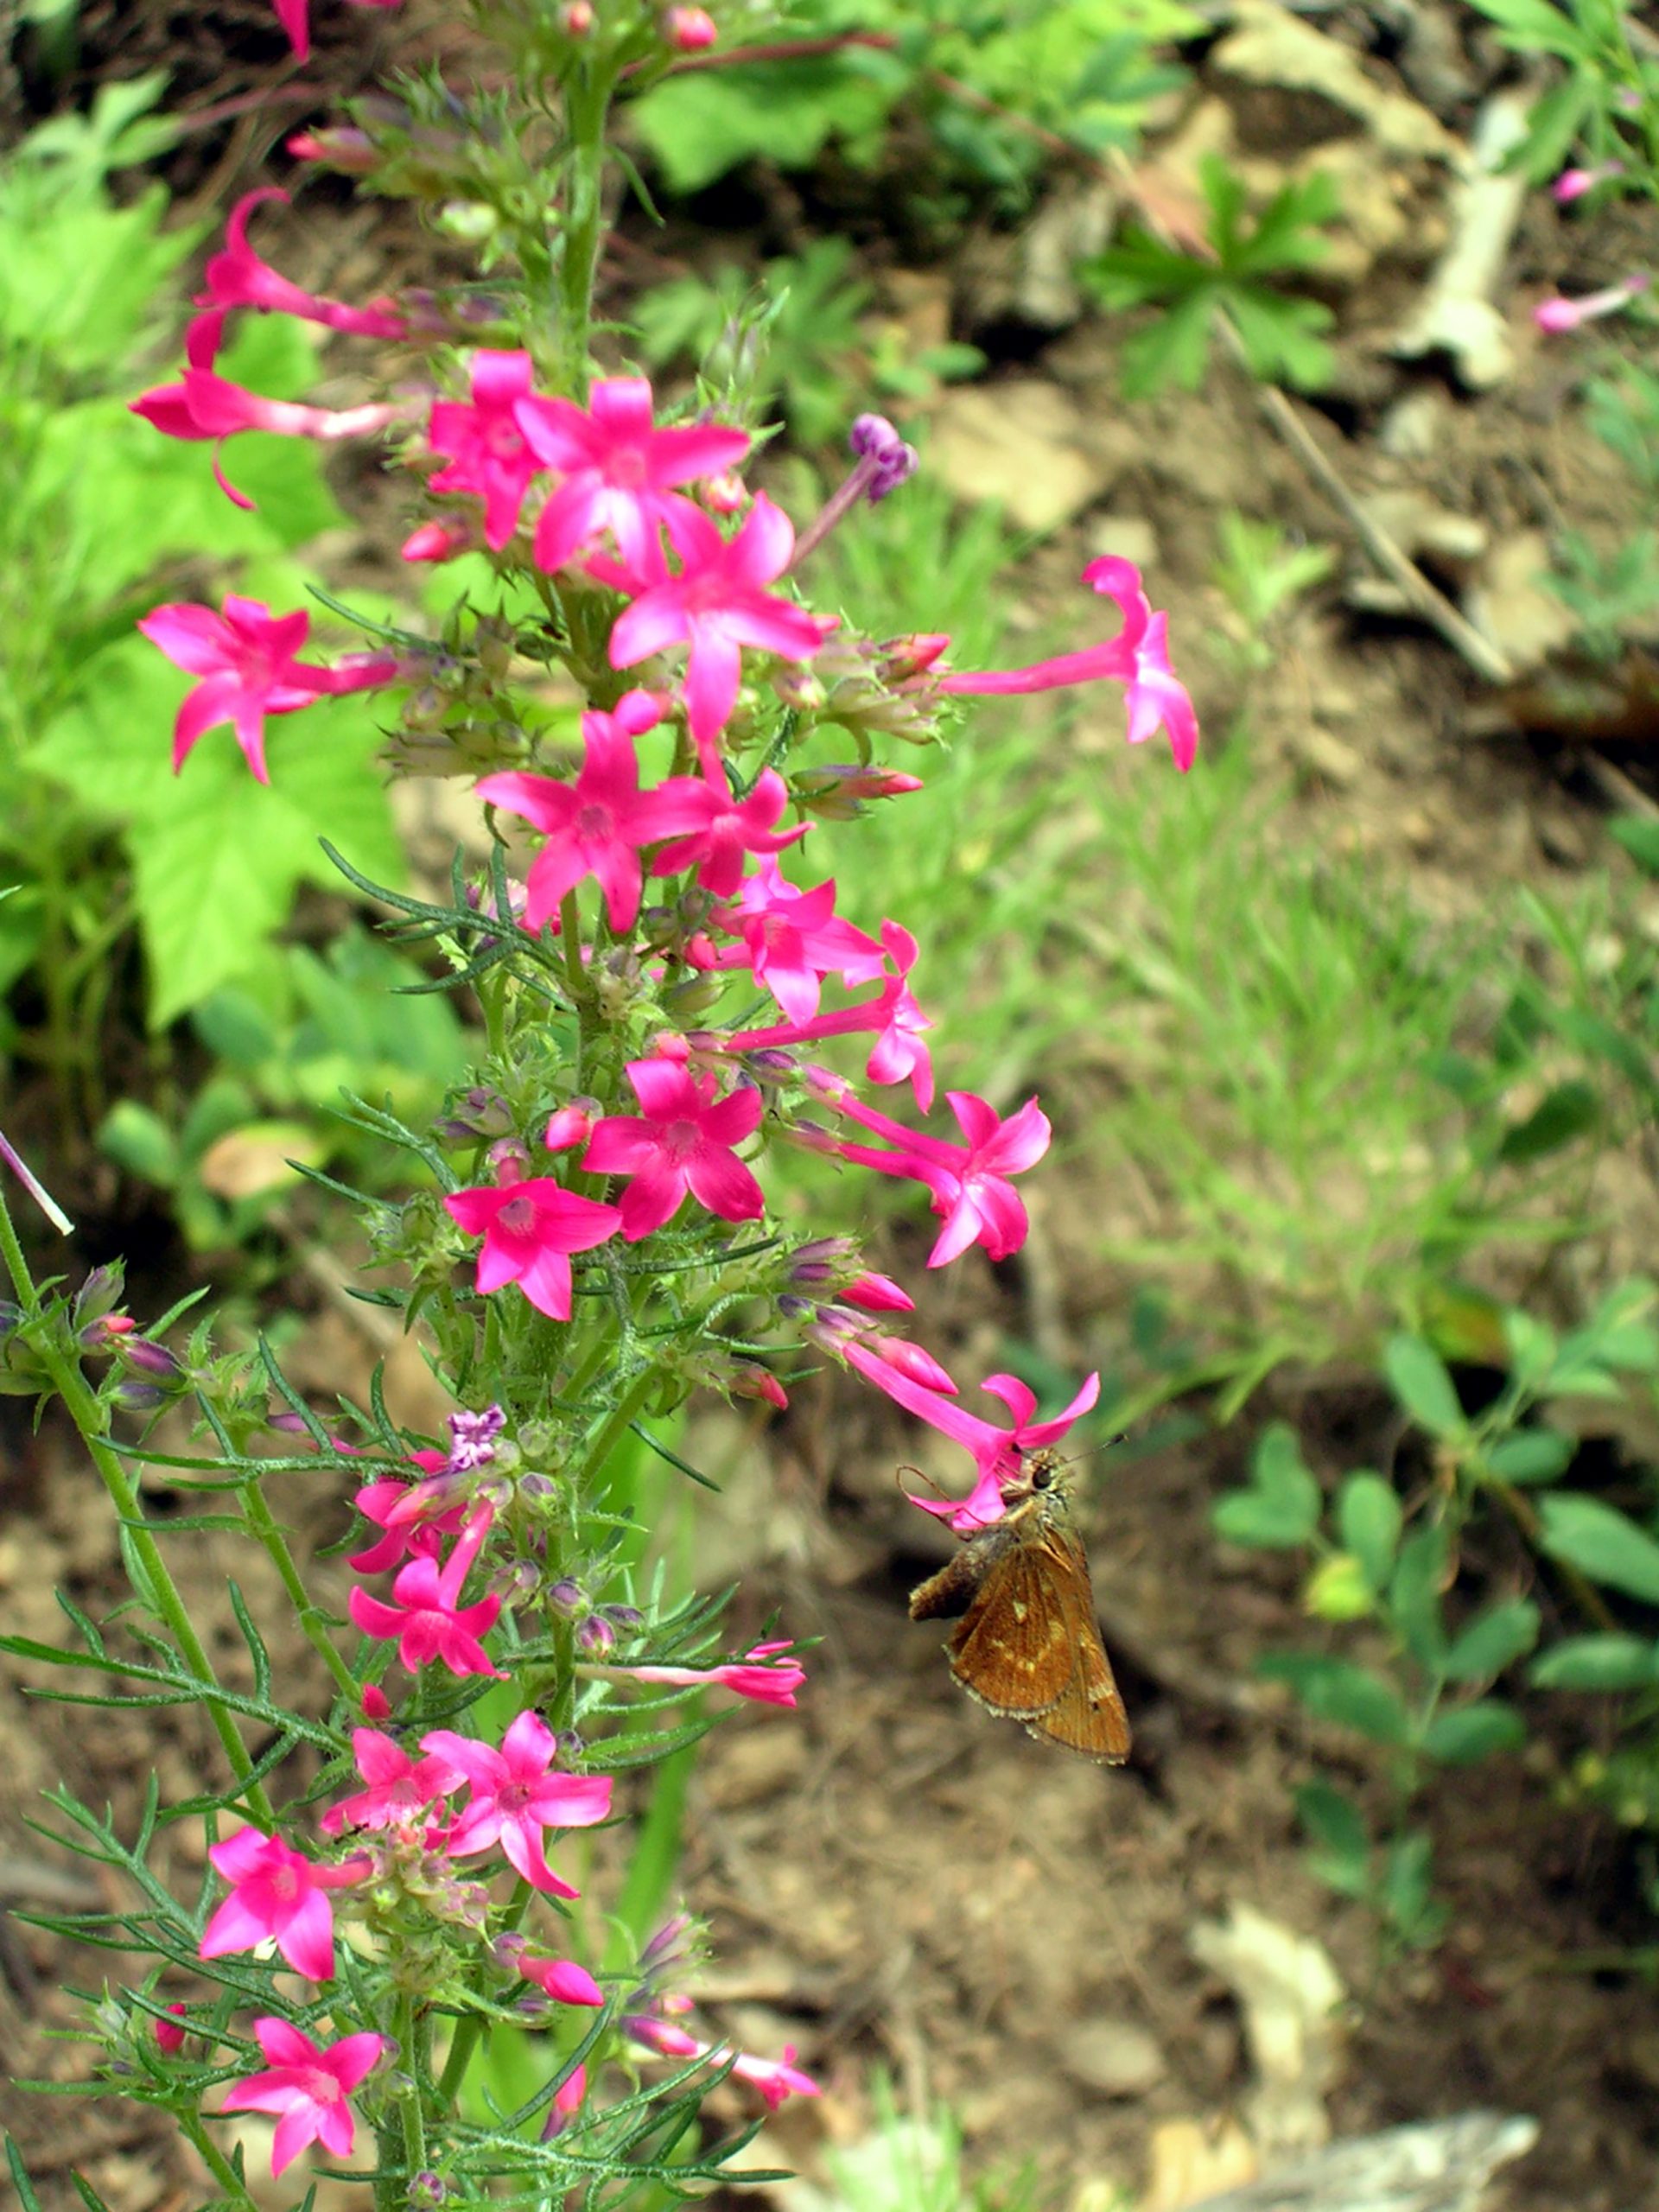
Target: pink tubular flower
(759, 1675)
(791, 939)
(968, 1182)
(683, 1141)
(529, 1228)
(897, 1052)
(563, 1980)
(1573, 184)
(727, 829)
(620, 473)
(277, 1892)
(1555, 315)
(514, 1797)
(716, 606)
(487, 453)
(237, 277)
(597, 825)
(202, 406)
(307, 2084)
(169, 2037)
(566, 2102)
(1137, 657)
(426, 1615)
(775, 2078)
(400, 1787)
(997, 1452)
(245, 659)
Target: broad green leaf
(1415, 1595)
(1532, 1455)
(1368, 1516)
(1250, 1517)
(1405, 1892)
(1418, 1376)
(1640, 838)
(1611, 1662)
(1492, 1641)
(1340, 1842)
(1281, 1508)
(1601, 1542)
(1465, 1733)
(1532, 1347)
(1333, 1821)
(1569, 1111)
(1338, 1589)
(137, 1139)
(699, 125)
(1336, 1690)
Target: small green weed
(1388, 1569)
(1613, 591)
(1261, 575)
(1603, 92)
(1278, 333)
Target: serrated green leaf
(1609, 1661)
(1465, 1733)
(1419, 1378)
(1171, 350)
(1534, 27)
(1601, 1542)
(1492, 1641)
(1369, 1519)
(1337, 1690)
(698, 126)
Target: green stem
(467, 2033)
(414, 2118)
(586, 104)
(86, 1414)
(616, 1425)
(216, 2163)
(260, 1520)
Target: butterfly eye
(1042, 1476)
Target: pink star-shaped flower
(716, 606)
(399, 1786)
(683, 1142)
(426, 1616)
(997, 1452)
(791, 939)
(1137, 657)
(515, 1797)
(245, 659)
(597, 825)
(968, 1182)
(898, 1052)
(307, 2085)
(237, 277)
(488, 455)
(277, 1891)
(619, 471)
(727, 829)
(529, 1228)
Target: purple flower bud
(568, 1747)
(667, 1942)
(596, 1635)
(427, 2190)
(99, 1295)
(151, 1358)
(508, 1949)
(873, 438)
(480, 1112)
(771, 1060)
(509, 1160)
(535, 1485)
(624, 1618)
(137, 1397)
(565, 1596)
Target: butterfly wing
(1089, 1716)
(1013, 1650)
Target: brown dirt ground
(898, 1880)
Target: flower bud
(168, 2038)
(749, 1380)
(480, 1112)
(377, 1705)
(625, 1618)
(152, 1359)
(877, 1294)
(725, 494)
(509, 1160)
(799, 689)
(137, 1397)
(436, 541)
(576, 18)
(572, 1124)
(427, 2190)
(341, 147)
(99, 1295)
(689, 29)
(565, 1596)
(596, 1635)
